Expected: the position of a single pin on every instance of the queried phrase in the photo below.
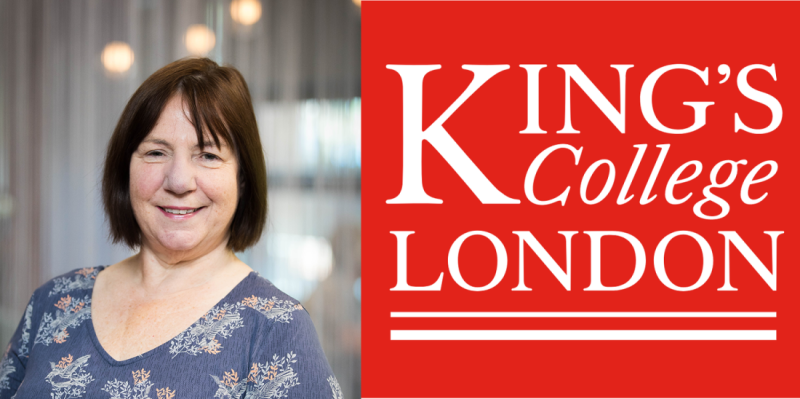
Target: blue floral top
(257, 342)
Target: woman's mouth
(179, 211)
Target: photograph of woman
(184, 181)
(138, 258)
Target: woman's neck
(160, 273)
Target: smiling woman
(160, 114)
(185, 183)
(184, 196)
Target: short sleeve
(15, 355)
(288, 361)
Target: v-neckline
(115, 363)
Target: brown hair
(218, 102)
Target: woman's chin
(179, 244)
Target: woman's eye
(210, 157)
(155, 154)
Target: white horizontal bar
(581, 314)
(583, 335)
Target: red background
(592, 35)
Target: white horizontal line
(581, 314)
(583, 335)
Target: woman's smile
(179, 213)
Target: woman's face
(183, 197)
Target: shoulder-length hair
(218, 103)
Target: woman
(185, 182)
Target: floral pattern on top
(165, 393)
(203, 335)
(274, 308)
(272, 379)
(140, 390)
(6, 368)
(267, 380)
(337, 391)
(68, 378)
(55, 327)
(70, 314)
(229, 387)
(83, 280)
(25, 338)
(220, 322)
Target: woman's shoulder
(268, 302)
(281, 321)
(286, 341)
(74, 283)
(69, 293)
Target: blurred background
(67, 69)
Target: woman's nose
(180, 176)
